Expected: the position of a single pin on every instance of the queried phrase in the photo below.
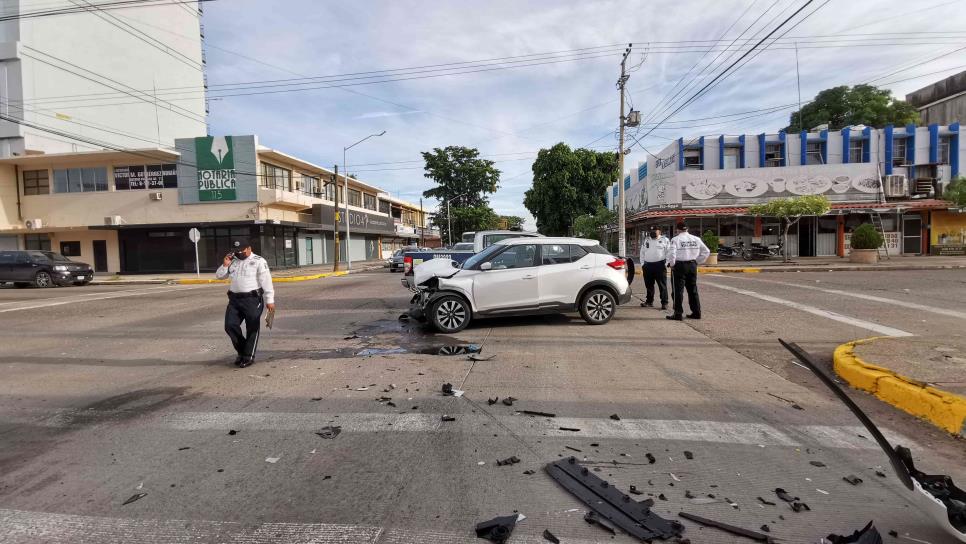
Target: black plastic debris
(636, 491)
(403, 317)
(351, 337)
(799, 506)
(758, 537)
(662, 497)
(763, 501)
(329, 431)
(538, 414)
(571, 448)
(650, 458)
(867, 535)
(508, 401)
(608, 503)
(880, 474)
(447, 418)
(491, 402)
(593, 519)
(818, 464)
(232, 432)
(852, 479)
(765, 528)
(594, 444)
(135, 497)
(688, 494)
(615, 417)
(315, 399)
(548, 536)
(783, 495)
(688, 455)
(448, 389)
(571, 429)
(529, 472)
(512, 460)
(184, 448)
(391, 403)
(497, 529)
(894, 534)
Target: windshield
(463, 246)
(475, 260)
(49, 256)
(468, 236)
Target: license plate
(80, 277)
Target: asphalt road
(110, 392)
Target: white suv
(520, 276)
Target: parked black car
(42, 269)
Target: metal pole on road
(621, 227)
(345, 174)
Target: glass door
(912, 234)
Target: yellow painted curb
(287, 279)
(941, 408)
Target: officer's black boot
(246, 362)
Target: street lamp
(348, 256)
(449, 219)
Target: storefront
(948, 232)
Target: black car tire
(43, 280)
(449, 314)
(598, 306)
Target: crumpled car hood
(434, 268)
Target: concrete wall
(86, 239)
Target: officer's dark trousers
(245, 307)
(655, 273)
(686, 277)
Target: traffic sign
(194, 235)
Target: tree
(511, 222)
(842, 106)
(568, 183)
(463, 180)
(790, 210)
(592, 225)
(955, 192)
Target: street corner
(883, 372)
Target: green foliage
(592, 225)
(792, 208)
(711, 240)
(859, 105)
(463, 179)
(955, 192)
(513, 222)
(568, 183)
(866, 237)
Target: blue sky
(511, 114)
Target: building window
(944, 150)
(80, 180)
(36, 182)
(692, 159)
(311, 185)
(70, 249)
(813, 153)
(899, 151)
(773, 155)
(276, 177)
(39, 242)
(731, 157)
(857, 146)
(329, 191)
(355, 198)
(369, 201)
(384, 207)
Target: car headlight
(60, 268)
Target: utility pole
(422, 224)
(335, 220)
(449, 223)
(621, 228)
(798, 79)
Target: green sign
(216, 168)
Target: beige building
(130, 211)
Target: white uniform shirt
(687, 247)
(655, 249)
(249, 275)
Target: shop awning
(904, 205)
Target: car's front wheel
(43, 279)
(598, 306)
(450, 314)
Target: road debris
(852, 479)
(232, 432)
(607, 502)
(763, 501)
(134, 497)
(329, 431)
(478, 357)
(491, 402)
(447, 418)
(615, 417)
(704, 500)
(759, 537)
(450, 392)
(351, 337)
(497, 529)
(822, 491)
(512, 460)
(799, 506)
(636, 491)
(650, 458)
(537, 414)
(571, 429)
(571, 448)
(818, 464)
(867, 535)
(184, 448)
(592, 518)
(688, 455)
(315, 399)
(272, 460)
(529, 472)
(674, 477)
(783, 495)
(548, 536)
(508, 401)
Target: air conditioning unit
(157, 196)
(895, 186)
(34, 224)
(113, 220)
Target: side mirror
(486, 266)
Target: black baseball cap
(238, 244)
(681, 226)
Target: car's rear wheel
(450, 314)
(598, 306)
(43, 279)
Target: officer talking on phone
(250, 292)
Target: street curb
(941, 408)
(285, 279)
(714, 270)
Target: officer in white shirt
(686, 253)
(250, 292)
(654, 249)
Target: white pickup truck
(481, 241)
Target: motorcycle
(759, 251)
(733, 251)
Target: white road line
(873, 298)
(100, 296)
(854, 321)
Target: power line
(96, 7)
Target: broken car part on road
(497, 529)
(867, 535)
(632, 517)
(759, 537)
(936, 494)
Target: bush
(866, 237)
(711, 240)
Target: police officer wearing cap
(249, 293)
(687, 251)
(654, 250)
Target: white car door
(563, 272)
(511, 283)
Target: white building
(109, 77)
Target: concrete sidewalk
(837, 264)
(925, 377)
(291, 274)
